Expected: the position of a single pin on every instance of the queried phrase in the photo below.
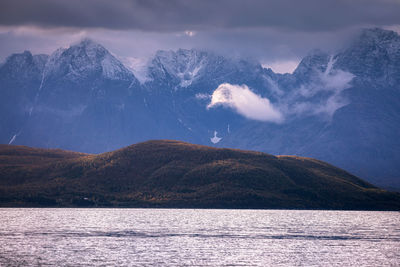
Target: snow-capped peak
(316, 60)
(185, 65)
(87, 58)
(377, 35)
(374, 55)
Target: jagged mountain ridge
(338, 108)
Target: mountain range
(342, 107)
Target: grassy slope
(176, 174)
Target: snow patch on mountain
(215, 139)
(112, 68)
(12, 139)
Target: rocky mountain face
(342, 108)
(20, 76)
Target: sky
(277, 33)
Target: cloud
(248, 104)
(321, 96)
(331, 83)
(202, 96)
(263, 45)
(198, 15)
(268, 30)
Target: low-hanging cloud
(332, 82)
(248, 104)
(321, 96)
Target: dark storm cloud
(178, 15)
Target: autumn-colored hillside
(169, 173)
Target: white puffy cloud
(248, 104)
(321, 96)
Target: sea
(197, 237)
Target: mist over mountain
(342, 108)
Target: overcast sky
(278, 33)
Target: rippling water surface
(129, 237)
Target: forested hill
(168, 173)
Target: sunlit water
(159, 237)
